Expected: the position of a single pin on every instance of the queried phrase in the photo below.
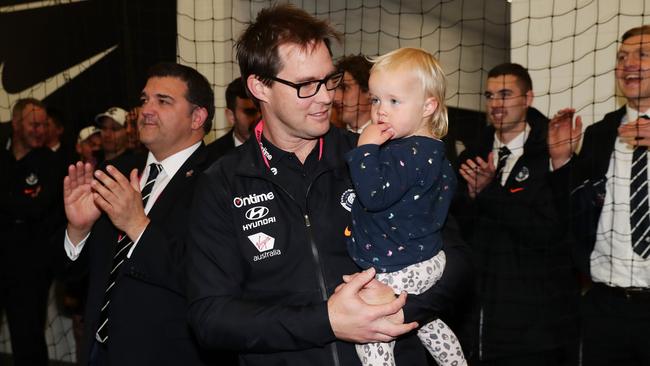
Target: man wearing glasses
(526, 294)
(267, 240)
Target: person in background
(352, 100)
(89, 143)
(30, 206)
(606, 186)
(526, 303)
(241, 114)
(133, 140)
(112, 123)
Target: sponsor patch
(257, 213)
(252, 199)
(347, 198)
(262, 242)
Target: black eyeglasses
(310, 88)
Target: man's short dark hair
(235, 89)
(21, 104)
(636, 31)
(518, 71)
(358, 66)
(199, 90)
(257, 47)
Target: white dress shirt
(170, 165)
(516, 147)
(613, 261)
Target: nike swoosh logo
(515, 190)
(36, 5)
(48, 86)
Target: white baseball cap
(86, 132)
(117, 114)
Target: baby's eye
(394, 101)
(374, 100)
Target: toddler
(404, 185)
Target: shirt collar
(174, 162)
(236, 140)
(516, 145)
(632, 114)
(358, 129)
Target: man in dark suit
(607, 187)
(241, 114)
(126, 227)
(526, 300)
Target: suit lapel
(179, 184)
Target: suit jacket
(581, 184)
(526, 289)
(147, 317)
(220, 146)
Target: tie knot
(154, 170)
(504, 151)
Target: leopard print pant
(436, 336)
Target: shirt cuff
(135, 242)
(73, 251)
(550, 164)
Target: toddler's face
(398, 99)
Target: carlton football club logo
(347, 199)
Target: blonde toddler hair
(428, 71)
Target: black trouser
(615, 327)
(24, 302)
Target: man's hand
(563, 136)
(478, 173)
(635, 133)
(376, 134)
(376, 292)
(353, 320)
(80, 208)
(121, 200)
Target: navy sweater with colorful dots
(403, 192)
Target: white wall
(468, 36)
(570, 49)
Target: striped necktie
(504, 152)
(639, 221)
(123, 246)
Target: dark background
(39, 43)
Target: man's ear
(230, 117)
(199, 115)
(530, 95)
(257, 88)
(430, 106)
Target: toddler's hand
(376, 134)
